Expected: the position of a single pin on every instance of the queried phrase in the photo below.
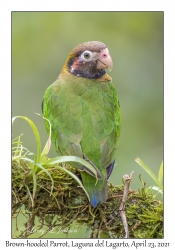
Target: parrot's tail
(94, 200)
(99, 195)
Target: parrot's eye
(87, 55)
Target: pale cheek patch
(72, 69)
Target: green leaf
(36, 133)
(60, 159)
(74, 177)
(30, 196)
(16, 150)
(48, 143)
(34, 183)
(149, 171)
(156, 189)
(46, 150)
(41, 167)
(160, 175)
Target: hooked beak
(104, 60)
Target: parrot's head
(89, 60)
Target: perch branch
(122, 205)
(68, 204)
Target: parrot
(84, 111)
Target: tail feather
(94, 200)
(97, 195)
(109, 169)
(98, 192)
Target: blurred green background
(41, 42)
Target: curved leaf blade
(61, 159)
(160, 175)
(149, 171)
(74, 177)
(36, 133)
(41, 167)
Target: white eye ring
(87, 55)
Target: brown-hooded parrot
(83, 109)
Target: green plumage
(85, 118)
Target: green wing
(110, 118)
(63, 109)
(104, 121)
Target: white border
(5, 96)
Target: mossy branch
(68, 203)
(50, 194)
